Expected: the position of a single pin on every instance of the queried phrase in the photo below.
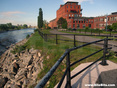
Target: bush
(69, 29)
(35, 30)
(27, 36)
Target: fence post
(68, 85)
(46, 37)
(74, 41)
(85, 31)
(56, 39)
(104, 52)
(110, 33)
(91, 31)
(99, 32)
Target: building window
(83, 25)
(78, 11)
(67, 6)
(67, 10)
(90, 25)
(69, 15)
(79, 21)
(72, 15)
(78, 26)
(73, 21)
(75, 15)
(71, 6)
(73, 25)
(74, 7)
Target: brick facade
(72, 12)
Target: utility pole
(106, 21)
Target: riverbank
(20, 70)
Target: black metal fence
(90, 31)
(67, 72)
(55, 37)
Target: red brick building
(72, 12)
(101, 21)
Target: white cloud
(91, 1)
(14, 17)
(11, 13)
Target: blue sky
(26, 11)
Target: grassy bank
(51, 52)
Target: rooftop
(71, 2)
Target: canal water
(12, 37)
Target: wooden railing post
(105, 52)
(68, 85)
(110, 33)
(91, 31)
(46, 37)
(56, 39)
(99, 32)
(74, 41)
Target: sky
(27, 11)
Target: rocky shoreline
(20, 70)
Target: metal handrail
(45, 79)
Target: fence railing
(46, 37)
(67, 72)
(91, 31)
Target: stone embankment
(20, 70)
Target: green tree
(9, 25)
(40, 18)
(45, 24)
(114, 26)
(25, 26)
(109, 27)
(62, 23)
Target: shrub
(27, 36)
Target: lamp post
(106, 21)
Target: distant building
(72, 12)
(101, 21)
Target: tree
(25, 26)
(40, 18)
(45, 24)
(109, 27)
(9, 25)
(62, 23)
(114, 26)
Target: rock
(47, 57)
(3, 81)
(21, 72)
(16, 66)
(39, 54)
(34, 51)
(17, 86)
(28, 60)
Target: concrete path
(96, 74)
(87, 39)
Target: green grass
(55, 51)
